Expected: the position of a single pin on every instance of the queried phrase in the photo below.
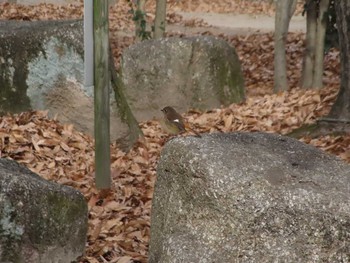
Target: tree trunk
(319, 45)
(160, 20)
(101, 95)
(341, 107)
(139, 18)
(338, 120)
(309, 54)
(284, 12)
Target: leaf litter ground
(119, 220)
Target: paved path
(237, 24)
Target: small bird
(174, 122)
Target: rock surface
(249, 197)
(192, 72)
(42, 68)
(33, 56)
(40, 221)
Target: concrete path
(237, 24)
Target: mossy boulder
(40, 221)
(42, 68)
(34, 57)
(200, 72)
(249, 197)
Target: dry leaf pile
(119, 221)
(119, 12)
(12, 11)
(256, 53)
(280, 113)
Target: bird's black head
(168, 109)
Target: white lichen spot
(7, 226)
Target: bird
(175, 123)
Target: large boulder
(201, 72)
(42, 68)
(40, 221)
(249, 197)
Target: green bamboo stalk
(101, 95)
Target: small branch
(327, 119)
(124, 110)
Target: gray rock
(40, 221)
(194, 72)
(34, 55)
(249, 197)
(42, 68)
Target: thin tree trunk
(284, 12)
(319, 45)
(338, 120)
(101, 95)
(160, 19)
(292, 7)
(341, 107)
(309, 54)
(139, 19)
